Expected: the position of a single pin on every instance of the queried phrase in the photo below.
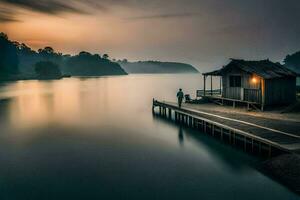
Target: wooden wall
(277, 91)
(252, 94)
(280, 91)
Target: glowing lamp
(254, 80)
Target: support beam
(211, 85)
(204, 85)
(221, 85)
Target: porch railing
(252, 95)
(200, 93)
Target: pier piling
(249, 142)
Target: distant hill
(156, 67)
(86, 64)
(18, 61)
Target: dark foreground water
(97, 139)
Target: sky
(204, 33)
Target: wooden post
(204, 85)
(170, 113)
(263, 98)
(221, 85)
(211, 85)
(153, 104)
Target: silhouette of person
(180, 96)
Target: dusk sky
(204, 33)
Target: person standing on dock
(180, 96)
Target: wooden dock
(262, 138)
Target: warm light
(254, 80)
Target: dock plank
(280, 133)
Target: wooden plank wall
(238, 92)
(280, 91)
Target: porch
(239, 95)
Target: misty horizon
(202, 33)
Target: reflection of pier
(262, 140)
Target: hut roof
(263, 68)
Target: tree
(47, 69)
(105, 56)
(84, 53)
(4, 36)
(293, 61)
(9, 60)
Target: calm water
(96, 138)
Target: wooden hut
(262, 83)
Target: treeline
(9, 60)
(293, 61)
(19, 60)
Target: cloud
(44, 6)
(163, 16)
(6, 16)
(8, 8)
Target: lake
(92, 138)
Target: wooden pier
(254, 138)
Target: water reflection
(180, 135)
(233, 159)
(96, 138)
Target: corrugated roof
(263, 68)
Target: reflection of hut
(260, 83)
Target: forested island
(18, 61)
(156, 67)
